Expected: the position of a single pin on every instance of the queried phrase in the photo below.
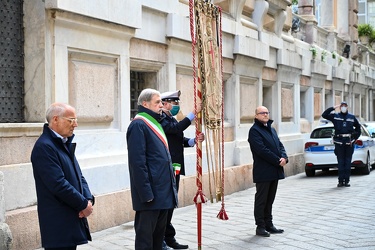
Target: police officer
(347, 131)
(174, 130)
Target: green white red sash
(154, 126)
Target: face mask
(174, 110)
(344, 109)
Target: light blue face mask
(175, 109)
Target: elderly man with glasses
(63, 195)
(269, 160)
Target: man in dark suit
(269, 160)
(174, 131)
(152, 181)
(63, 195)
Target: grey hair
(56, 109)
(146, 95)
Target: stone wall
(6, 238)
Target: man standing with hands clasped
(347, 131)
(269, 159)
(63, 195)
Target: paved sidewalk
(314, 213)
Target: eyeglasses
(72, 120)
(263, 113)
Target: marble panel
(185, 84)
(248, 101)
(36, 73)
(19, 186)
(269, 74)
(317, 107)
(93, 87)
(16, 150)
(147, 50)
(287, 104)
(24, 226)
(305, 81)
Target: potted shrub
(323, 56)
(313, 52)
(364, 32)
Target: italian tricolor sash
(153, 125)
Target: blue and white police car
(319, 150)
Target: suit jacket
(174, 131)
(62, 191)
(150, 167)
(267, 150)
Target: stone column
(306, 10)
(327, 15)
(5, 233)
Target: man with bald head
(63, 195)
(269, 159)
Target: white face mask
(344, 109)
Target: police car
(319, 150)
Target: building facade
(98, 55)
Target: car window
(364, 131)
(370, 129)
(322, 133)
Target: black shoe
(165, 247)
(347, 184)
(340, 184)
(261, 231)
(176, 245)
(274, 230)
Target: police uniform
(174, 130)
(347, 131)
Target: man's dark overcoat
(150, 167)
(62, 192)
(267, 150)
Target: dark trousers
(149, 229)
(344, 155)
(170, 232)
(264, 198)
(61, 248)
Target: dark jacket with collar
(150, 167)
(344, 123)
(267, 150)
(174, 131)
(62, 192)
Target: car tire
(310, 172)
(367, 168)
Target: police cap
(343, 103)
(171, 96)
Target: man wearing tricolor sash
(152, 180)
